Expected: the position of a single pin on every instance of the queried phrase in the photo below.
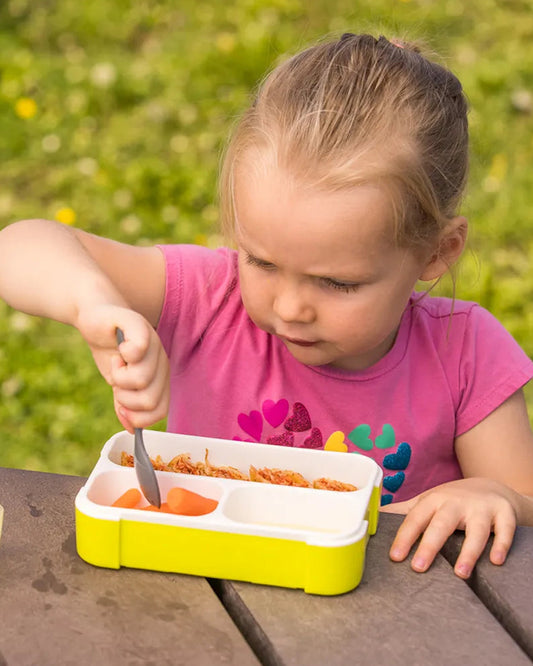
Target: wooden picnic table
(55, 609)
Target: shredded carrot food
(285, 477)
(282, 477)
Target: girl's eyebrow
(336, 276)
(254, 255)
(345, 277)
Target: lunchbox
(281, 535)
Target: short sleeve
(198, 281)
(492, 367)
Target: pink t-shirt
(445, 373)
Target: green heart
(359, 436)
(387, 438)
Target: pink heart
(300, 419)
(285, 439)
(275, 412)
(252, 424)
(314, 441)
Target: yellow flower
(225, 42)
(498, 167)
(65, 215)
(200, 239)
(25, 107)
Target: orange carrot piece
(164, 508)
(128, 500)
(187, 503)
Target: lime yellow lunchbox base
(324, 570)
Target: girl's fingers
(443, 523)
(141, 389)
(136, 376)
(411, 528)
(475, 505)
(140, 419)
(144, 396)
(137, 344)
(398, 507)
(141, 409)
(504, 529)
(139, 356)
(476, 537)
(152, 401)
(122, 417)
(99, 325)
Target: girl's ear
(449, 248)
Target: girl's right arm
(55, 271)
(96, 285)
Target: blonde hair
(358, 110)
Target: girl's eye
(255, 261)
(347, 287)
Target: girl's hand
(138, 370)
(478, 506)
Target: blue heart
(386, 499)
(393, 483)
(400, 459)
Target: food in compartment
(188, 503)
(183, 464)
(129, 500)
(179, 501)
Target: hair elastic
(397, 43)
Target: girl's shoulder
(451, 316)
(199, 258)
(195, 270)
(200, 285)
(437, 307)
(462, 328)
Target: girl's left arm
(496, 494)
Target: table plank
(57, 609)
(395, 616)
(507, 591)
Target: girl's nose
(292, 305)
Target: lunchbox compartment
(350, 468)
(110, 484)
(297, 509)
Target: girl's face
(320, 270)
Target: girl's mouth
(300, 343)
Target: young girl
(339, 190)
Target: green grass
(132, 103)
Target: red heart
(314, 441)
(285, 439)
(300, 419)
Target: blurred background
(113, 116)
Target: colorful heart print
(360, 437)
(386, 498)
(285, 439)
(387, 437)
(394, 482)
(300, 420)
(314, 441)
(336, 442)
(400, 459)
(275, 412)
(251, 423)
